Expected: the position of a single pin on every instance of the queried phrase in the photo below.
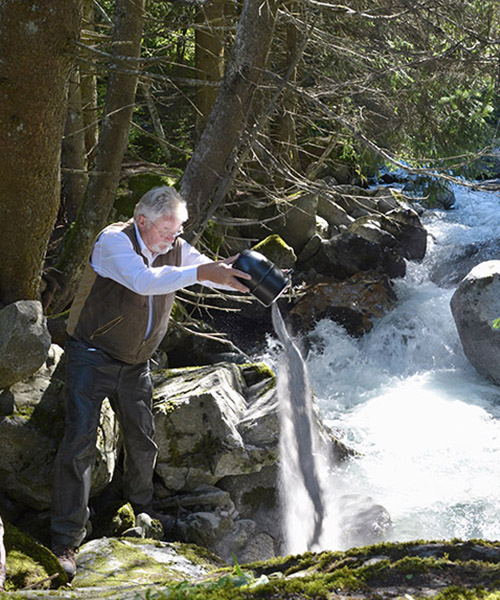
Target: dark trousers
(92, 376)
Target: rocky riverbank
(216, 424)
(128, 569)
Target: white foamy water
(426, 425)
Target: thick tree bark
(36, 50)
(287, 139)
(105, 176)
(211, 159)
(74, 159)
(209, 57)
(88, 85)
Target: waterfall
(425, 424)
(302, 496)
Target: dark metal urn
(267, 282)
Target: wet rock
(354, 303)
(24, 341)
(362, 521)
(475, 306)
(450, 269)
(432, 192)
(255, 497)
(407, 228)
(348, 253)
(217, 431)
(399, 229)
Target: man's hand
(221, 272)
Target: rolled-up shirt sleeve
(114, 257)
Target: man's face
(159, 235)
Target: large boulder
(296, 222)
(351, 252)
(475, 306)
(31, 427)
(200, 427)
(354, 303)
(130, 563)
(24, 341)
(217, 430)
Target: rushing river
(426, 425)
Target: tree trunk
(209, 57)
(105, 176)
(3, 557)
(287, 140)
(37, 55)
(155, 119)
(73, 159)
(88, 86)
(211, 159)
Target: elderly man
(116, 322)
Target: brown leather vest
(109, 316)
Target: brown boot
(66, 557)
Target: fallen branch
(39, 583)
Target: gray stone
(297, 223)
(350, 253)
(200, 420)
(218, 439)
(475, 305)
(334, 214)
(24, 341)
(110, 563)
(362, 521)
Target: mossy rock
(115, 562)
(29, 562)
(23, 571)
(256, 372)
(124, 519)
(277, 251)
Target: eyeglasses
(166, 233)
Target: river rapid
(425, 424)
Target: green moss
(135, 565)
(138, 185)
(255, 372)
(23, 571)
(198, 555)
(277, 251)
(201, 454)
(24, 410)
(18, 542)
(124, 519)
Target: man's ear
(141, 221)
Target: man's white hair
(163, 201)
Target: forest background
(231, 101)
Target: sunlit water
(426, 425)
